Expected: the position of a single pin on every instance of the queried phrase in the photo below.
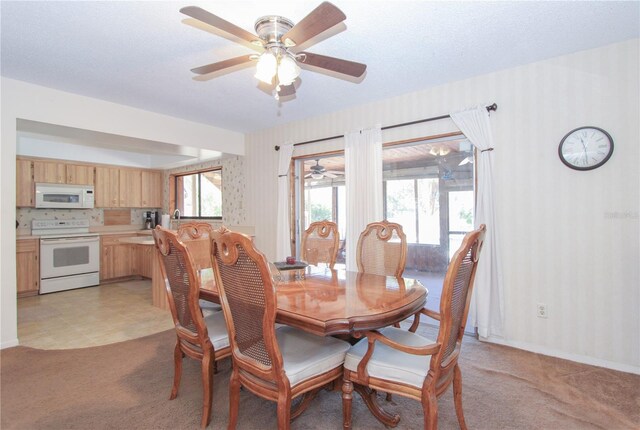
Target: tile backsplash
(24, 216)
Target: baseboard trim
(564, 355)
(9, 344)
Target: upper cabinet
(79, 175)
(62, 173)
(49, 172)
(107, 188)
(151, 189)
(24, 183)
(114, 187)
(130, 188)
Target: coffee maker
(150, 219)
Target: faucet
(176, 217)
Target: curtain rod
(490, 108)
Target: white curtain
(487, 308)
(363, 175)
(283, 232)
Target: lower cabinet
(116, 259)
(28, 267)
(144, 260)
(119, 260)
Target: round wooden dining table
(329, 302)
(332, 302)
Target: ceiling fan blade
(318, 20)
(338, 65)
(286, 90)
(216, 21)
(214, 67)
(330, 175)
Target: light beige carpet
(127, 385)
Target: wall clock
(585, 148)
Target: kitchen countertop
(139, 240)
(25, 233)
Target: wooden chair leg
(457, 396)
(207, 386)
(234, 399)
(177, 370)
(347, 398)
(284, 411)
(430, 410)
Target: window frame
(173, 192)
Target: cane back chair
(277, 365)
(405, 363)
(320, 243)
(382, 249)
(197, 237)
(203, 339)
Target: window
(414, 204)
(428, 189)
(199, 194)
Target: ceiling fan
(277, 38)
(319, 172)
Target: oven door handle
(70, 240)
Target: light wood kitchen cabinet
(24, 183)
(79, 174)
(53, 172)
(114, 187)
(28, 267)
(144, 260)
(130, 188)
(151, 189)
(50, 172)
(116, 259)
(107, 188)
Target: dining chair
(203, 339)
(320, 243)
(382, 249)
(197, 237)
(408, 364)
(277, 365)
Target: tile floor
(90, 316)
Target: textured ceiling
(140, 53)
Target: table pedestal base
(371, 400)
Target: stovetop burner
(60, 228)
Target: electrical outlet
(541, 310)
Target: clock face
(586, 148)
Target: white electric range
(69, 254)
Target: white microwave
(62, 196)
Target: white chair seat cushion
(205, 304)
(389, 363)
(217, 328)
(305, 355)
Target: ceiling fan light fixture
(266, 67)
(288, 70)
(316, 175)
(439, 151)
